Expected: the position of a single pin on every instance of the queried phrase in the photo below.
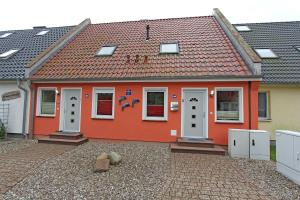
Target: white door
(296, 153)
(259, 145)
(71, 101)
(284, 149)
(194, 113)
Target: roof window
(5, 35)
(266, 53)
(42, 32)
(106, 51)
(242, 28)
(298, 48)
(8, 53)
(169, 48)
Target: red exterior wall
(128, 124)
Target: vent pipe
(147, 32)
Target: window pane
(48, 102)
(155, 104)
(106, 51)
(228, 105)
(262, 104)
(104, 103)
(169, 48)
(266, 53)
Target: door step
(216, 150)
(66, 135)
(63, 138)
(206, 143)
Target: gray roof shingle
(282, 38)
(30, 45)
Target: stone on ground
(102, 156)
(101, 165)
(114, 158)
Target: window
(229, 104)
(298, 48)
(155, 102)
(169, 48)
(103, 103)
(263, 104)
(242, 28)
(8, 54)
(42, 32)
(5, 35)
(266, 53)
(106, 51)
(46, 102)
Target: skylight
(298, 48)
(5, 35)
(42, 32)
(266, 53)
(106, 51)
(242, 28)
(9, 53)
(166, 48)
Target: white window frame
(268, 106)
(242, 28)
(39, 101)
(155, 89)
(241, 104)
(257, 50)
(169, 52)
(97, 90)
(106, 54)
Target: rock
(101, 165)
(102, 156)
(114, 158)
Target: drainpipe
(250, 103)
(24, 105)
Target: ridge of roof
(31, 29)
(278, 22)
(151, 20)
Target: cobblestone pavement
(197, 176)
(16, 165)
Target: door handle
(233, 142)
(253, 142)
(298, 156)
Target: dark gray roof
(30, 45)
(282, 38)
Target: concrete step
(207, 143)
(216, 150)
(74, 142)
(66, 135)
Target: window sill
(46, 116)
(155, 119)
(264, 120)
(228, 122)
(102, 117)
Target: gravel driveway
(14, 144)
(151, 171)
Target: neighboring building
(150, 80)
(278, 44)
(18, 50)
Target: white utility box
(254, 144)
(288, 154)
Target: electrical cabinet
(254, 144)
(288, 154)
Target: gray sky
(21, 14)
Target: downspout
(250, 103)
(24, 106)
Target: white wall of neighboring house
(15, 119)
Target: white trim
(38, 105)
(206, 110)
(166, 100)
(241, 104)
(62, 107)
(151, 81)
(268, 117)
(94, 103)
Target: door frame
(62, 106)
(205, 90)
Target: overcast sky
(21, 14)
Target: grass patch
(273, 152)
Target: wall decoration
(122, 98)
(135, 101)
(125, 105)
(11, 95)
(128, 92)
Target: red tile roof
(205, 51)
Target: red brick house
(150, 80)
